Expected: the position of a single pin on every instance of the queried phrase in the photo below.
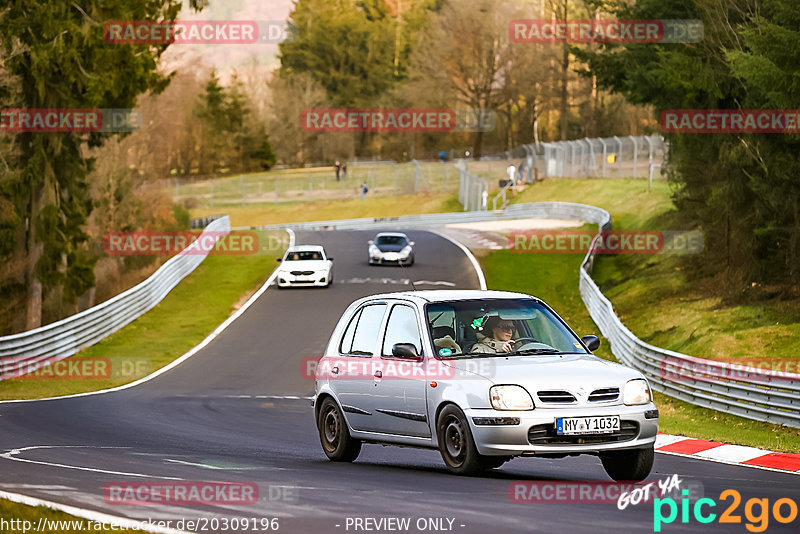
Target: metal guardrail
(749, 392)
(24, 352)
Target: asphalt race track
(224, 415)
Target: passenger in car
(495, 336)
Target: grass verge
(649, 291)
(27, 519)
(203, 300)
(323, 210)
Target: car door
(400, 384)
(351, 373)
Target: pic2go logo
(783, 510)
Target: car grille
(556, 397)
(302, 273)
(545, 434)
(604, 395)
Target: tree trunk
(33, 308)
(564, 72)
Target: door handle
(335, 370)
(378, 374)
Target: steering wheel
(529, 341)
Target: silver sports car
(484, 376)
(391, 248)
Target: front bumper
(535, 433)
(390, 258)
(313, 280)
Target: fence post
(635, 154)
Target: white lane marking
(398, 281)
(470, 257)
(12, 455)
(291, 397)
(97, 517)
(194, 350)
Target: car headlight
(374, 251)
(406, 251)
(510, 398)
(636, 392)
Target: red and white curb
(715, 451)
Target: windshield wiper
(534, 351)
(460, 355)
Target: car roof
(305, 248)
(443, 295)
(391, 234)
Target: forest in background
(60, 192)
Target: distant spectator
(521, 172)
(364, 190)
(511, 170)
(344, 170)
(338, 168)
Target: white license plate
(571, 426)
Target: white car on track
(305, 266)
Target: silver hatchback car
(483, 376)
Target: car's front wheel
(456, 444)
(336, 441)
(631, 465)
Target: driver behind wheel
(495, 336)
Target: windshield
(481, 327)
(390, 240)
(303, 256)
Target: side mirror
(406, 351)
(592, 342)
(370, 242)
(330, 259)
(411, 243)
(279, 260)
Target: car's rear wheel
(336, 441)
(456, 444)
(631, 465)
